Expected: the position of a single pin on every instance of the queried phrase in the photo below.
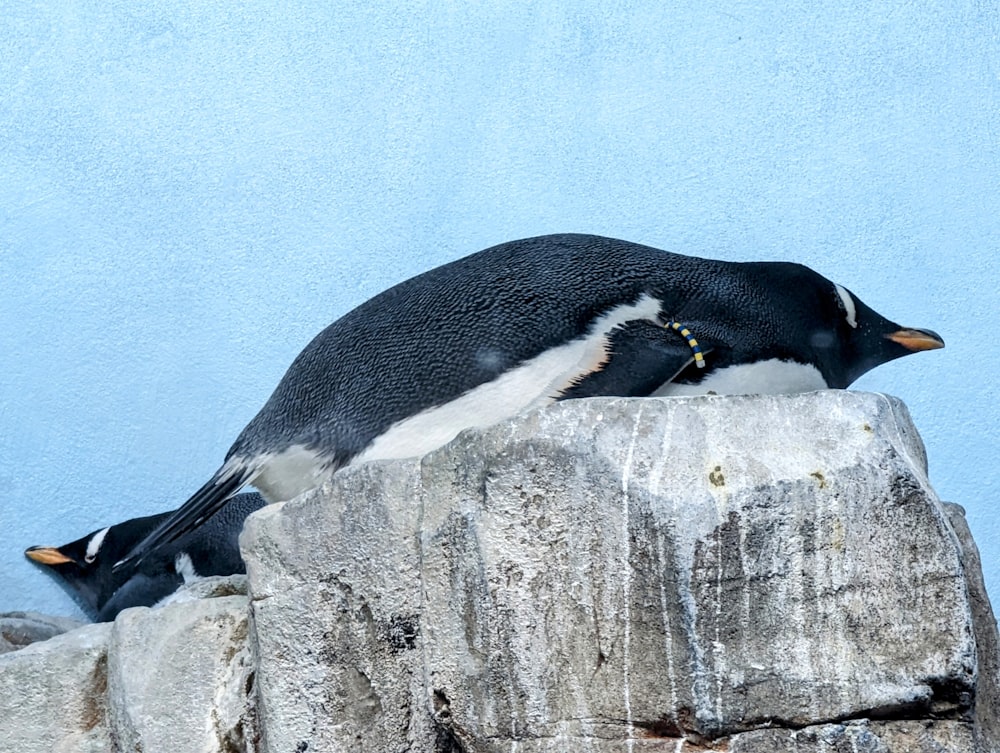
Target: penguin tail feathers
(202, 505)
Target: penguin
(533, 321)
(85, 567)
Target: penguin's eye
(90, 558)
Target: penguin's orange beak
(46, 555)
(917, 339)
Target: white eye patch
(850, 310)
(94, 545)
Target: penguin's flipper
(642, 356)
(202, 505)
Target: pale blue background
(190, 190)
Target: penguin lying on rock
(529, 322)
(85, 567)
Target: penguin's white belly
(534, 383)
(287, 474)
(184, 567)
(772, 377)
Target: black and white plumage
(529, 322)
(85, 567)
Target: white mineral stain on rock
(626, 578)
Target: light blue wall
(190, 190)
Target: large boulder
(618, 572)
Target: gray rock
(178, 677)
(336, 608)
(20, 629)
(984, 624)
(857, 736)
(705, 566)
(862, 736)
(53, 694)
(616, 570)
(212, 587)
(170, 679)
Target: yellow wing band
(699, 357)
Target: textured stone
(984, 623)
(616, 570)
(53, 694)
(20, 629)
(336, 615)
(212, 587)
(705, 565)
(856, 736)
(178, 677)
(862, 736)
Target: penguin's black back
(214, 547)
(211, 549)
(478, 317)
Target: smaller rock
(19, 629)
(985, 627)
(213, 587)
(178, 677)
(53, 694)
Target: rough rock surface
(985, 626)
(748, 574)
(177, 677)
(169, 679)
(618, 572)
(52, 694)
(862, 736)
(20, 629)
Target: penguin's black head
(850, 338)
(84, 567)
(787, 313)
(77, 571)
